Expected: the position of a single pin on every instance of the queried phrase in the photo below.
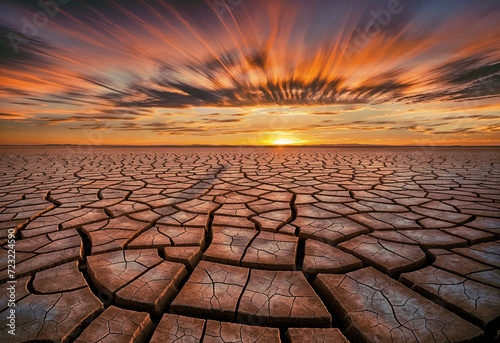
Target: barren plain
(246, 244)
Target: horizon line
(254, 145)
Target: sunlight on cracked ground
(251, 244)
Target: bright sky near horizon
(250, 72)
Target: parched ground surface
(251, 244)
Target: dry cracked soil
(250, 244)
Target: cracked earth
(251, 244)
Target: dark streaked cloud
(17, 51)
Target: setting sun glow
(284, 141)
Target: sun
(284, 141)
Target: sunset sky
(250, 72)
